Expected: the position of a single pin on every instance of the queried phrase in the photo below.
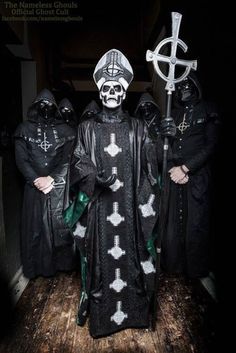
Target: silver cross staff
(172, 60)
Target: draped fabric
(42, 148)
(114, 232)
(186, 244)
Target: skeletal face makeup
(112, 94)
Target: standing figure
(158, 128)
(119, 193)
(148, 110)
(186, 241)
(67, 112)
(42, 147)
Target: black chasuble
(115, 232)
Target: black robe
(42, 148)
(185, 247)
(115, 231)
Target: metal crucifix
(171, 80)
(171, 60)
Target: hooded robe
(71, 118)
(42, 148)
(185, 248)
(153, 114)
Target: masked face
(186, 90)
(65, 110)
(112, 94)
(46, 108)
(147, 110)
(66, 113)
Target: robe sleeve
(211, 139)
(82, 179)
(22, 160)
(83, 172)
(149, 193)
(150, 160)
(65, 157)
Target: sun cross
(171, 60)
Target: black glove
(105, 182)
(167, 127)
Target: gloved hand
(167, 127)
(105, 182)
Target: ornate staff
(171, 80)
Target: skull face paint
(112, 94)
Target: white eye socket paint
(112, 94)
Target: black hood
(193, 78)
(72, 119)
(33, 114)
(145, 98)
(45, 94)
(65, 103)
(90, 110)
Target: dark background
(65, 56)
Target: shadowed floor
(44, 321)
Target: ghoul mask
(148, 110)
(46, 108)
(186, 90)
(66, 114)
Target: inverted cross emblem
(148, 266)
(45, 145)
(147, 209)
(118, 284)
(115, 218)
(119, 315)
(116, 252)
(183, 125)
(112, 148)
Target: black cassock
(115, 233)
(43, 148)
(186, 240)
